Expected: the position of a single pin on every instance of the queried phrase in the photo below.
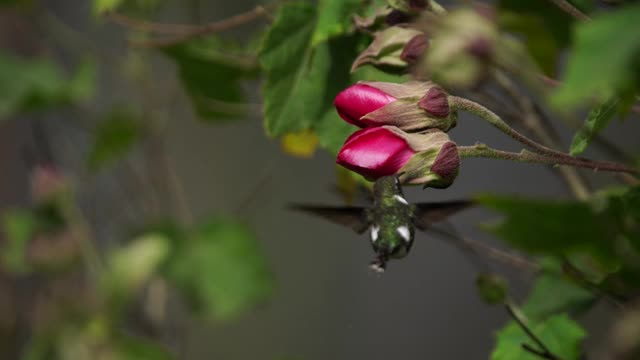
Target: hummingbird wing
(429, 213)
(354, 217)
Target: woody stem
(484, 151)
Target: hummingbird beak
(379, 264)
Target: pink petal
(374, 152)
(358, 100)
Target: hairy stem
(484, 151)
(534, 120)
(495, 120)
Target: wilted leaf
(559, 333)
(212, 72)
(32, 84)
(114, 138)
(220, 269)
(604, 60)
(595, 122)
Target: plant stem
(536, 122)
(519, 318)
(495, 120)
(484, 151)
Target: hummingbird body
(391, 221)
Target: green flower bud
(387, 48)
(462, 48)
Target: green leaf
(553, 227)
(335, 18)
(220, 269)
(595, 122)
(604, 60)
(553, 293)
(100, 6)
(559, 333)
(212, 72)
(132, 265)
(301, 80)
(292, 89)
(114, 138)
(136, 348)
(19, 227)
(33, 84)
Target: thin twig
(567, 7)
(534, 120)
(484, 151)
(150, 26)
(517, 316)
(186, 32)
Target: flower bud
(387, 48)
(414, 49)
(430, 158)
(412, 106)
(461, 48)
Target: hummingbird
(391, 220)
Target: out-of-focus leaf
(559, 333)
(115, 136)
(212, 72)
(604, 60)
(595, 122)
(553, 227)
(131, 266)
(135, 348)
(100, 6)
(32, 84)
(220, 269)
(301, 144)
(334, 18)
(544, 28)
(19, 227)
(552, 294)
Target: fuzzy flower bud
(387, 48)
(462, 47)
(412, 106)
(430, 158)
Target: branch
(516, 315)
(567, 7)
(484, 151)
(186, 32)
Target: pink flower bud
(375, 152)
(413, 106)
(358, 100)
(428, 158)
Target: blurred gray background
(327, 304)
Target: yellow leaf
(302, 144)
